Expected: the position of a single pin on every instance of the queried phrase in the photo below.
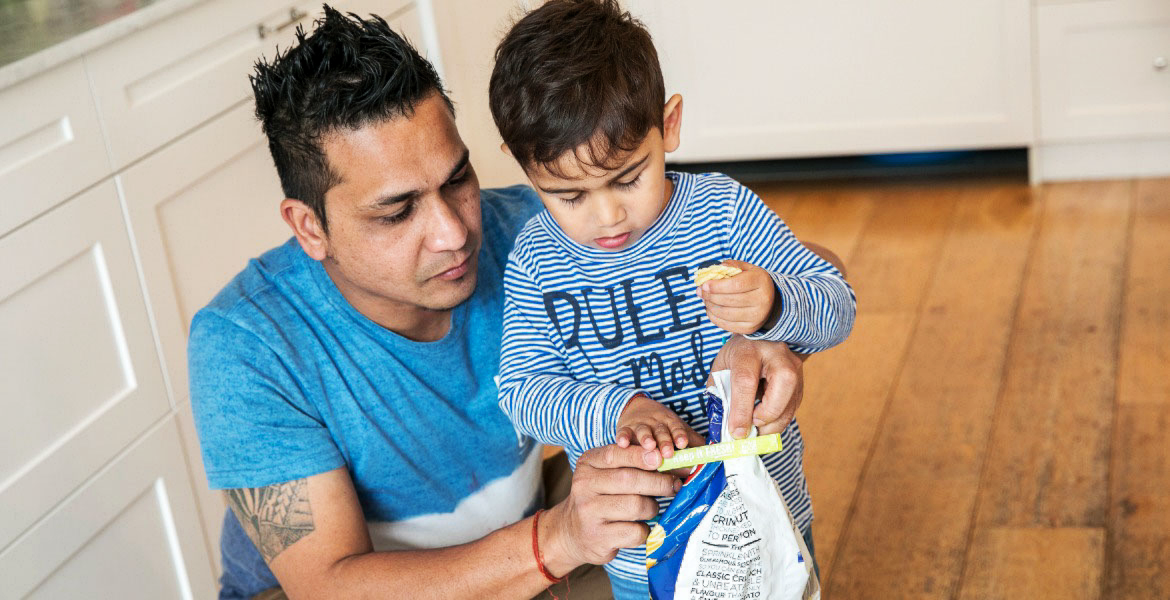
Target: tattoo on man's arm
(275, 516)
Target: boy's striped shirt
(586, 329)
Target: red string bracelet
(536, 550)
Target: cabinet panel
(131, 532)
(1104, 70)
(50, 143)
(767, 78)
(199, 209)
(78, 360)
(155, 84)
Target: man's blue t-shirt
(288, 380)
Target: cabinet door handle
(294, 15)
(1160, 63)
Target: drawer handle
(1160, 63)
(294, 15)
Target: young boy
(605, 337)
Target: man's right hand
(613, 492)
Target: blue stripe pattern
(587, 329)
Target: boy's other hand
(743, 303)
(652, 426)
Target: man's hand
(654, 426)
(781, 373)
(613, 491)
(743, 303)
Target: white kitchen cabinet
(1103, 70)
(765, 79)
(50, 143)
(199, 209)
(130, 532)
(81, 375)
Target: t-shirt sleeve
(818, 306)
(255, 426)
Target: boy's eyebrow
(385, 201)
(625, 171)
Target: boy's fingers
(732, 300)
(645, 436)
(665, 443)
(744, 316)
(681, 439)
(623, 437)
(732, 285)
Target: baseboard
(1101, 160)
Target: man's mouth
(612, 242)
(457, 271)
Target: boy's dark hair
(348, 73)
(574, 73)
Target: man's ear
(505, 149)
(305, 225)
(672, 123)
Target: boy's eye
(573, 200)
(627, 185)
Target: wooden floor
(998, 424)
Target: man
(343, 382)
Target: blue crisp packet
(667, 542)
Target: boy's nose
(610, 212)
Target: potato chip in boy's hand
(743, 303)
(648, 424)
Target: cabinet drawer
(131, 532)
(1103, 70)
(50, 143)
(158, 83)
(79, 373)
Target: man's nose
(446, 230)
(610, 212)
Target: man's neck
(412, 322)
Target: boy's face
(611, 208)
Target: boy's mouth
(609, 243)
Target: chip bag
(728, 534)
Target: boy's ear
(672, 123)
(505, 149)
(306, 227)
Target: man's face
(607, 208)
(404, 223)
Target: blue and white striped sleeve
(817, 305)
(537, 391)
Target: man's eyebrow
(625, 171)
(385, 201)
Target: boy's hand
(653, 426)
(743, 303)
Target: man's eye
(460, 178)
(399, 216)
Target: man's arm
(313, 535)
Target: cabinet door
(782, 78)
(1103, 70)
(199, 209)
(50, 143)
(79, 374)
(130, 532)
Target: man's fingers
(745, 380)
(780, 391)
(615, 457)
(630, 481)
